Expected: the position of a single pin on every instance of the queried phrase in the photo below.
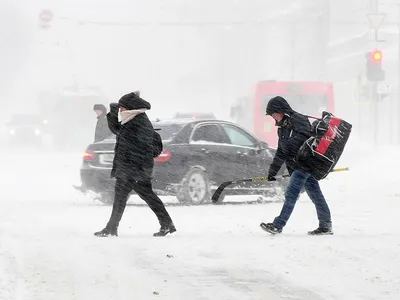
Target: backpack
(157, 144)
(320, 153)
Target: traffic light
(374, 66)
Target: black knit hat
(132, 101)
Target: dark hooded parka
(294, 129)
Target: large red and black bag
(321, 152)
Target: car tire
(195, 187)
(107, 198)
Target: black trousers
(144, 189)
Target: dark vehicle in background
(26, 130)
(198, 155)
(193, 115)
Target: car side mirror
(263, 145)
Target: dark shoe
(106, 232)
(269, 227)
(321, 231)
(164, 230)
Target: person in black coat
(294, 129)
(133, 162)
(101, 131)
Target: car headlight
(37, 132)
(12, 132)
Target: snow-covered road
(48, 251)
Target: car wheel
(106, 197)
(195, 188)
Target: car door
(210, 143)
(256, 160)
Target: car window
(207, 134)
(238, 136)
(167, 131)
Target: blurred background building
(200, 55)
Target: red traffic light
(376, 55)
(373, 67)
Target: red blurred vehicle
(307, 97)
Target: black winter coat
(133, 149)
(293, 131)
(102, 131)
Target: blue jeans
(298, 180)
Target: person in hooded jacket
(294, 129)
(102, 131)
(133, 162)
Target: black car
(198, 155)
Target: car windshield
(26, 120)
(312, 105)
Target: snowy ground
(48, 251)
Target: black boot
(112, 225)
(107, 232)
(321, 231)
(164, 230)
(269, 227)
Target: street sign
(45, 17)
(383, 88)
(376, 19)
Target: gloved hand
(271, 178)
(114, 108)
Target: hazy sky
(191, 55)
(184, 55)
